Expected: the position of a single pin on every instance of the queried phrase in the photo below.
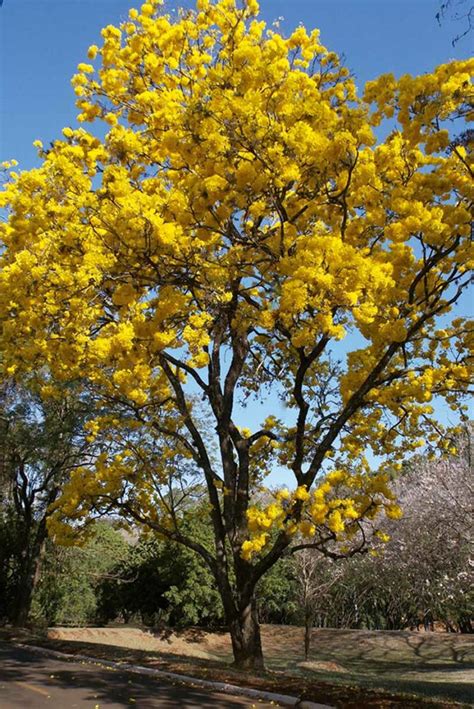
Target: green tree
(43, 442)
(276, 594)
(68, 589)
(161, 580)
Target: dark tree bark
(29, 575)
(26, 586)
(246, 640)
(465, 625)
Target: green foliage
(136, 585)
(193, 598)
(67, 591)
(161, 581)
(277, 594)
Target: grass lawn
(346, 668)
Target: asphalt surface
(31, 680)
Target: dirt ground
(192, 642)
(283, 645)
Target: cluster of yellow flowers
(335, 504)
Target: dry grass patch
(192, 642)
(283, 645)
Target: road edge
(282, 699)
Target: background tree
(438, 513)
(276, 593)
(43, 442)
(136, 586)
(68, 592)
(312, 584)
(423, 573)
(163, 582)
(235, 223)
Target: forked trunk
(246, 642)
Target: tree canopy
(241, 218)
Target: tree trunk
(28, 579)
(26, 586)
(246, 642)
(308, 627)
(465, 625)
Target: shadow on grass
(163, 659)
(393, 646)
(428, 665)
(434, 690)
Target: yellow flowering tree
(232, 228)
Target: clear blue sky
(42, 41)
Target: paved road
(32, 681)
